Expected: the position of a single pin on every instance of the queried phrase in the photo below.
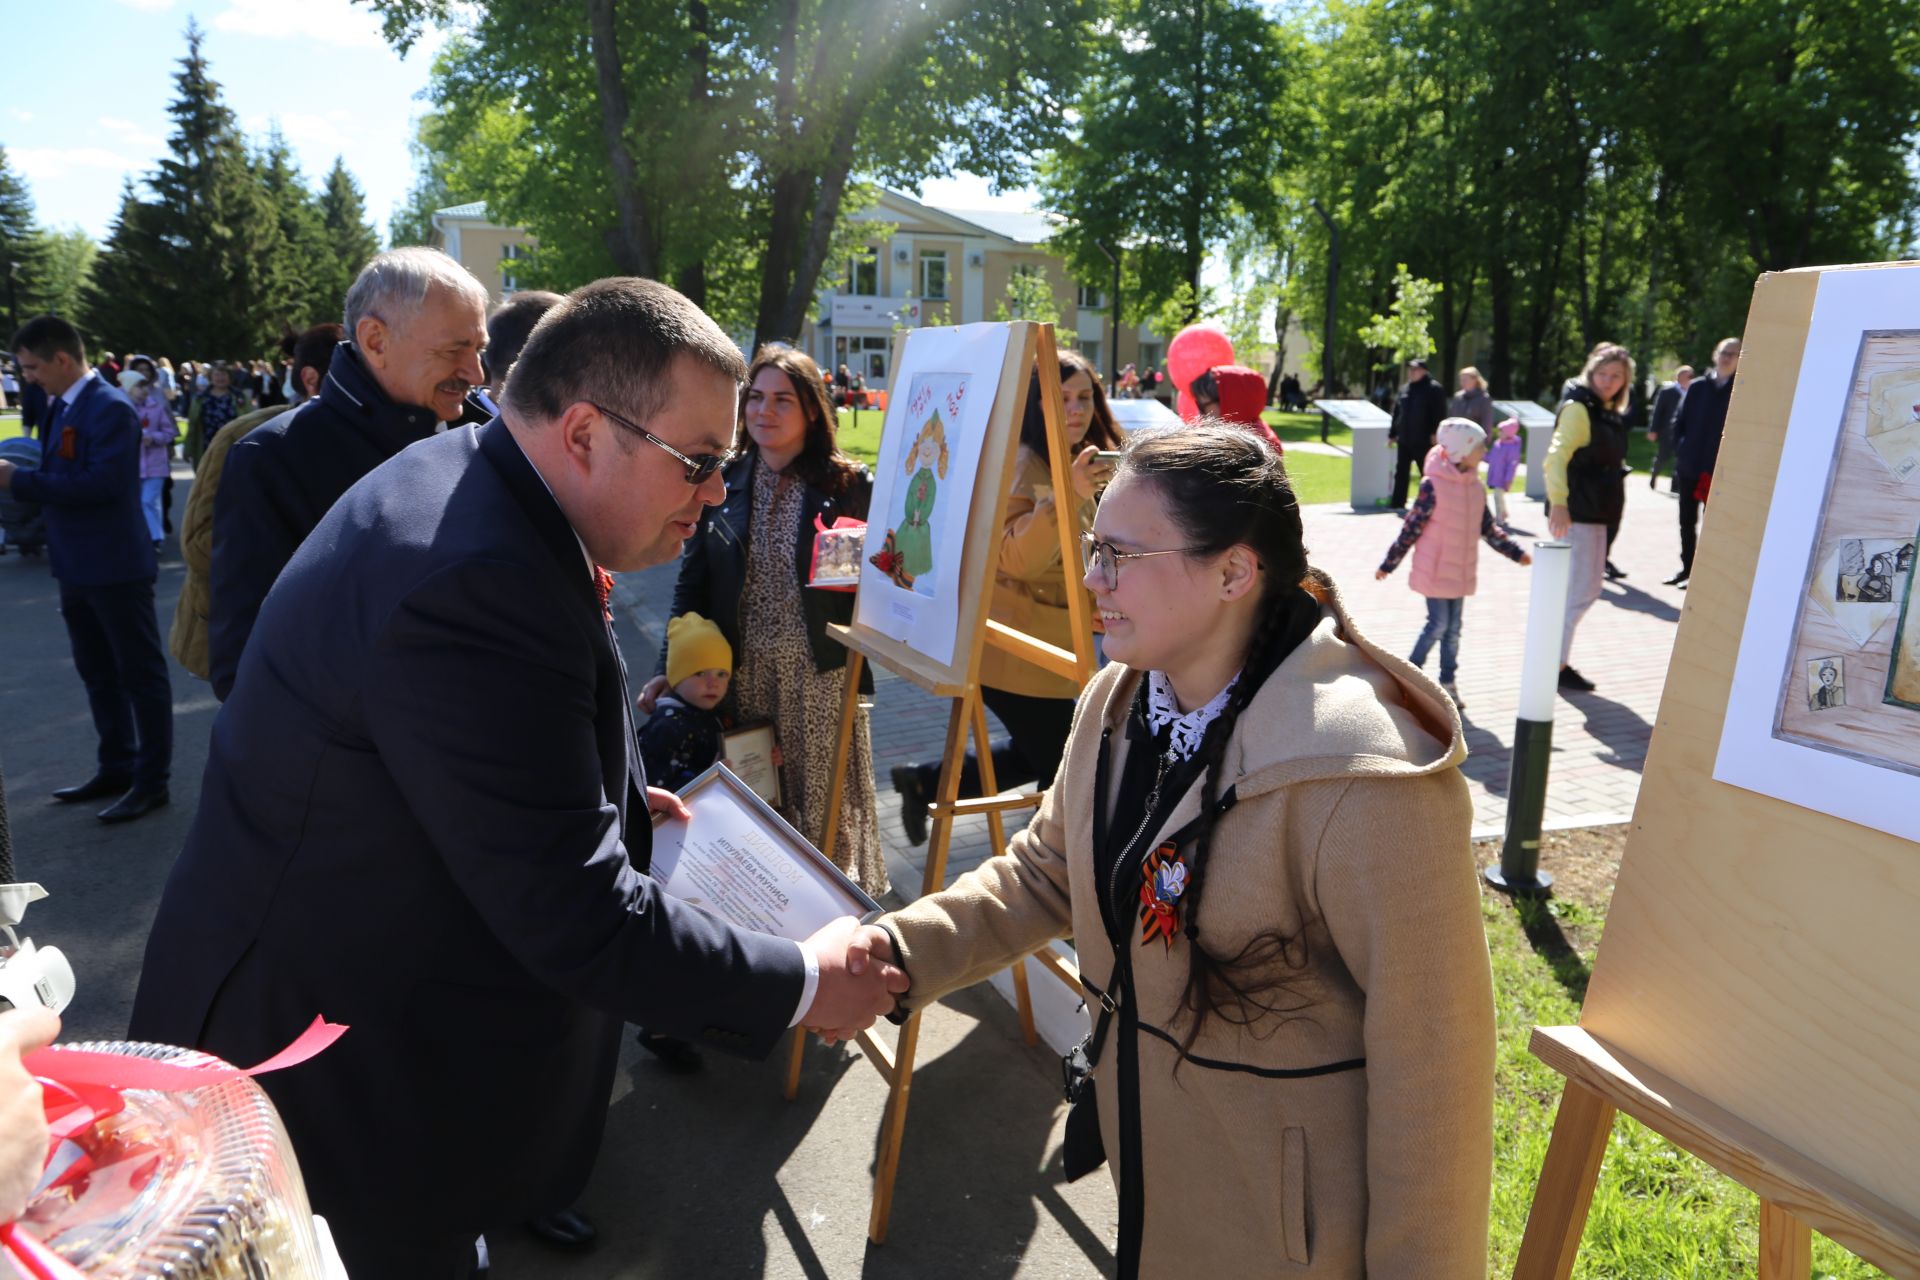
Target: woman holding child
(1295, 1062)
(746, 568)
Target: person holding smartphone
(1030, 587)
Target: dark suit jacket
(423, 817)
(1666, 403)
(713, 565)
(281, 479)
(1699, 423)
(89, 483)
(1422, 408)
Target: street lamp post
(1113, 342)
(1333, 302)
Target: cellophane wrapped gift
(836, 553)
(187, 1186)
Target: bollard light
(1519, 869)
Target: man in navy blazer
(424, 814)
(101, 553)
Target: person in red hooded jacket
(1236, 394)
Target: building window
(1092, 299)
(863, 276)
(510, 254)
(933, 275)
(1151, 355)
(1091, 350)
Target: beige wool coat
(1030, 581)
(1351, 831)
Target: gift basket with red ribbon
(836, 553)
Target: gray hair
(394, 285)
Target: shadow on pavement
(1616, 726)
(1633, 598)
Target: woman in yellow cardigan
(1030, 585)
(1258, 841)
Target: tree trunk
(691, 278)
(1500, 306)
(631, 241)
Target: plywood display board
(1762, 953)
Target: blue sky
(317, 67)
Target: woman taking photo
(1587, 483)
(746, 568)
(1030, 588)
(1259, 842)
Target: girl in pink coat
(1444, 528)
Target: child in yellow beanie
(682, 739)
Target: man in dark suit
(424, 814)
(98, 545)
(1697, 426)
(414, 320)
(1666, 409)
(1422, 407)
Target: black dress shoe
(678, 1056)
(1679, 578)
(1574, 681)
(134, 804)
(100, 784)
(567, 1229)
(1614, 572)
(913, 803)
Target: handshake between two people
(859, 981)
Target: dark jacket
(713, 565)
(1666, 405)
(1697, 427)
(679, 742)
(423, 817)
(89, 487)
(1596, 473)
(33, 406)
(1422, 407)
(282, 478)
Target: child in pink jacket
(1444, 528)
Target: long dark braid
(1225, 486)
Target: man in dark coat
(1696, 441)
(416, 326)
(424, 815)
(1666, 407)
(1422, 407)
(101, 552)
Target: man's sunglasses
(699, 467)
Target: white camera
(29, 975)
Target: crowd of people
(398, 583)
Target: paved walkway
(1600, 739)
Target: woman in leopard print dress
(746, 568)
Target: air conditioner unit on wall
(976, 259)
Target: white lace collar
(1188, 727)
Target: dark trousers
(1037, 731)
(116, 649)
(1413, 453)
(1662, 453)
(1685, 485)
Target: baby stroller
(22, 524)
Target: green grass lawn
(10, 426)
(1657, 1212)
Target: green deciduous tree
(70, 255)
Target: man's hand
(1559, 522)
(1654, 436)
(661, 800)
(650, 694)
(858, 979)
(23, 1123)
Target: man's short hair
(394, 285)
(313, 349)
(1685, 370)
(614, 342)
(508, 327)
(45, 335)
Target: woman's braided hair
(1224, 486)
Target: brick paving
(1600, 739)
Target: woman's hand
(23, 1122)
(1559, 522)
(1379, 575)
(1089, 472)
(1526, 558)
(650, 694)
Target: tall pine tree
(294, 286)
(128, 306)
(350, 238)
(22, 254)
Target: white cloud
(53, 163)
(310, 131)
(337, 22)
(131, 134)
(24, 117)
(149, 6)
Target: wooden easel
(1753, 999)
(967, 717)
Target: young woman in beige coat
(1258, 841)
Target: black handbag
(1084, 1150)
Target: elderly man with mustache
(416, 323)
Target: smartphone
(1110, 455)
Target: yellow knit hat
(695, 644)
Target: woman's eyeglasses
(1105, 558)
(699, 467)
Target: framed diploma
(739, 860)
(748, 752)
